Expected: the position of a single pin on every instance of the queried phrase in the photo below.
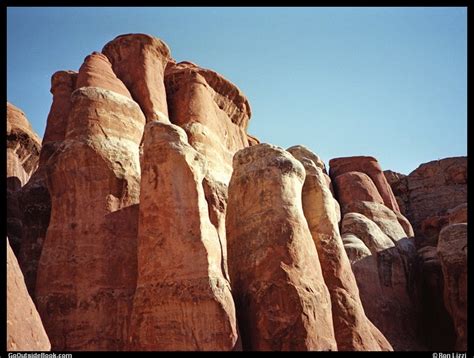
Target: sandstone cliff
(149, 219)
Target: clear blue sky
(386, 82)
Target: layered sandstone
(432, 197)
(353, 330)
(139, 61)
(429, 192)
(183, 299)
(281, 299)
(23, 148)
(25, 331)
(87, 272)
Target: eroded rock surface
(452, 251)
(87, 272)
(372, 223)
(353, 330)
(183, 300)
(369, 166)
(281, 299)
(23, 148)
(139, 60)
(25, 331)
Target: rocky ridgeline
(149, 219)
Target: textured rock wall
(34, 197)
(183, 300)
(429, 192)
(23, 148)
(452, 251)
(434, 196)
(380, 246)
(87, 271)
(25, 331)
(281, 298)
(353, 330)
(191, 235)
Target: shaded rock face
(378, 240)
(139, 60)
(23, 148)
(353, 330)
(436, 324)
(34, 196)
(452, 252)
(183, 300)
(281, 299)
(25, 331)
(429, 192)
(433, 196)
(87, 271)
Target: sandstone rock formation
(355, 187)
(452, 251)
(436, 324)
(23, 148)
(353, 330)
(214, 114)
(432, 197)
(25, 331)
(281, 299)
(379, 243)
(34, 196)
(429, 191)
(140, 60)
(192, 235)
(183, 300)
(369, 166)
(87, 272)
(96, 71)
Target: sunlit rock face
(87, 271)
(149, 219)
(281, 298)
